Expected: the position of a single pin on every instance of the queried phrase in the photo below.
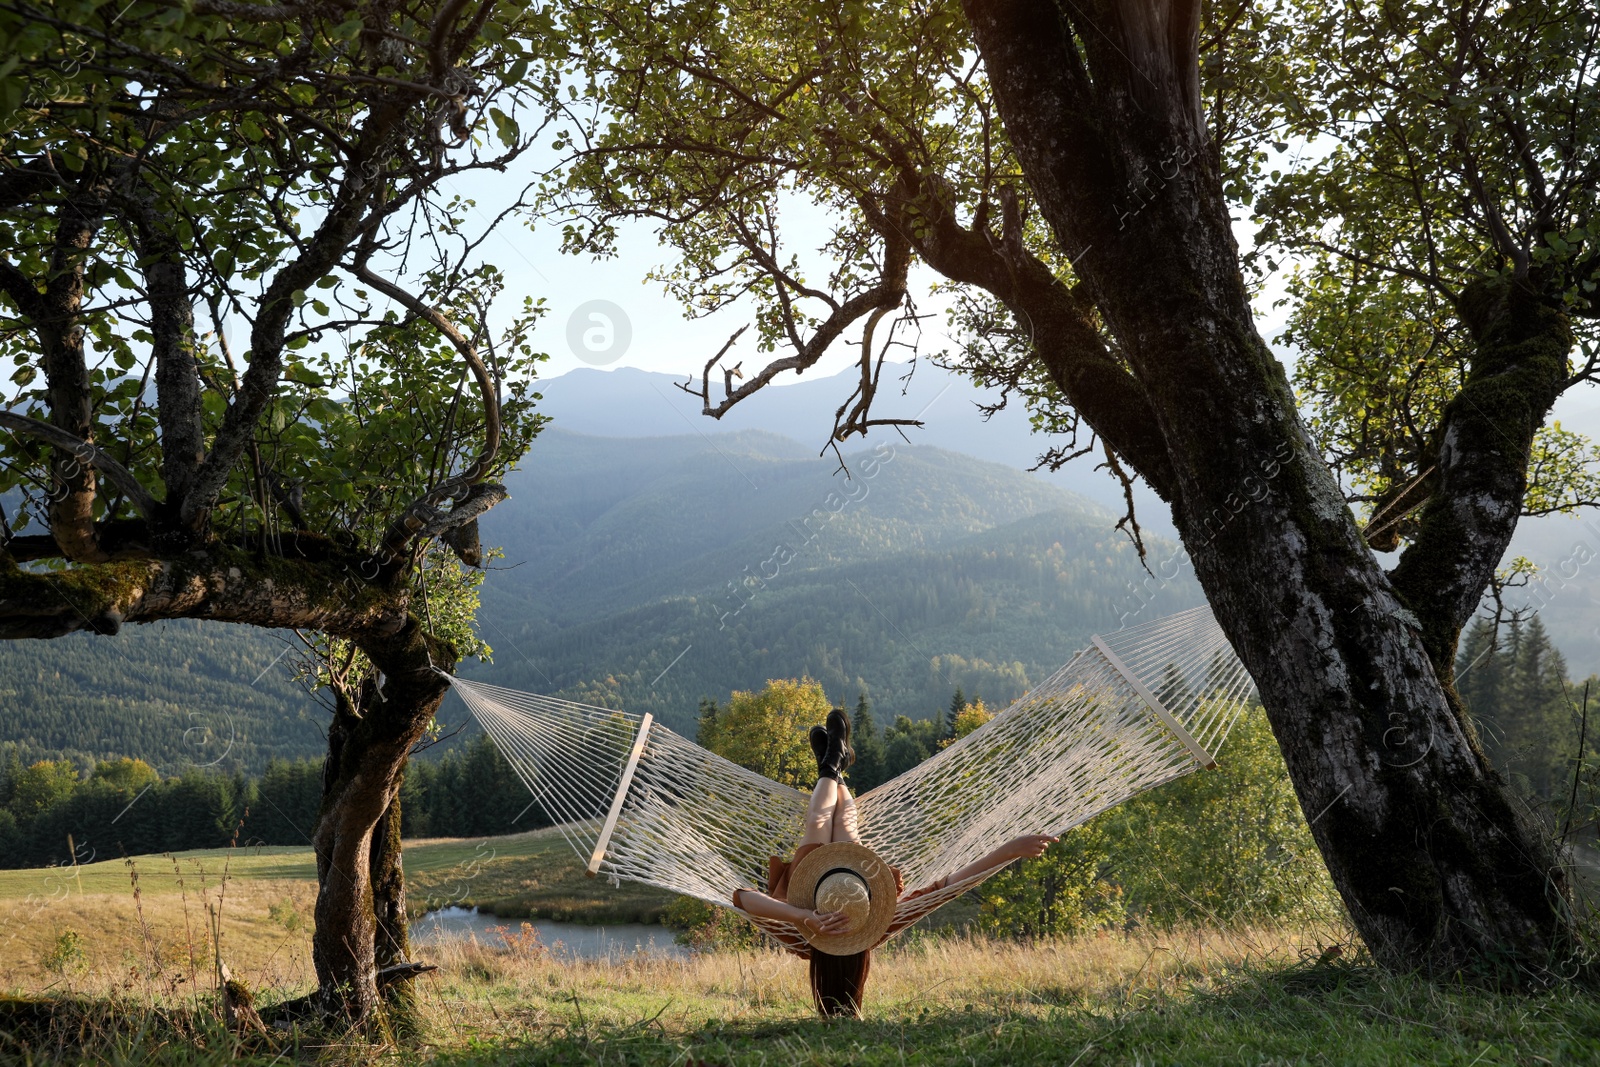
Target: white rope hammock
(1133, 710)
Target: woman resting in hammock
(839, 977)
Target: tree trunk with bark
(360, 910)
(392, 922)
(1437, 869)
(361, 920)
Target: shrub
(524, 941)
(287, 915)
(1062, 892)
(1222, 846)
(66, 956)
(704, 927)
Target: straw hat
(844, 876)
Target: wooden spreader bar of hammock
(622, 795)
(1168, 720)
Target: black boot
(840, 755)
(819, 746)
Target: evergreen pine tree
(902, 753)
(481, 800)
(445, 800)
(1481, 671)
(944, 724)
(414, 820)
(8, 775)
(1516, 691)
(1173, 691)
(287, 800)
(705, 734)
(1535, 714)
(868, 741)
(12, 841)
(1478, 673)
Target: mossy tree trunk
(1438, 871)
(1521, 338)
(392, 922)
(360, 910)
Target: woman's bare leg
(844, 817)
(820, 816)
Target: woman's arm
(1029, 846)
(827, 922)
(1015, 849)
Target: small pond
(571, 940)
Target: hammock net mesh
(1131, 711)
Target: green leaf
(505, 127)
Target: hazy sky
(663, 340)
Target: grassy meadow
(131, 944)
(135, 914)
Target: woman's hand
(826, 922)
(1027, 847)
(1030, 846)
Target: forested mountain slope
(178, 694)
(666, 572)
(647, 573)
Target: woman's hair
(837, 982)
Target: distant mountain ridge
(599, 518)
(708, 565)
(628, 402)
(648, 573)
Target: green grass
(526, 876)
(529, 875)
(157, 874)
(1357, 1017)
(142, 992)
(1261, 1024)
(749, 1011)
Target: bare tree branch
(704, 392)
(886, 295)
